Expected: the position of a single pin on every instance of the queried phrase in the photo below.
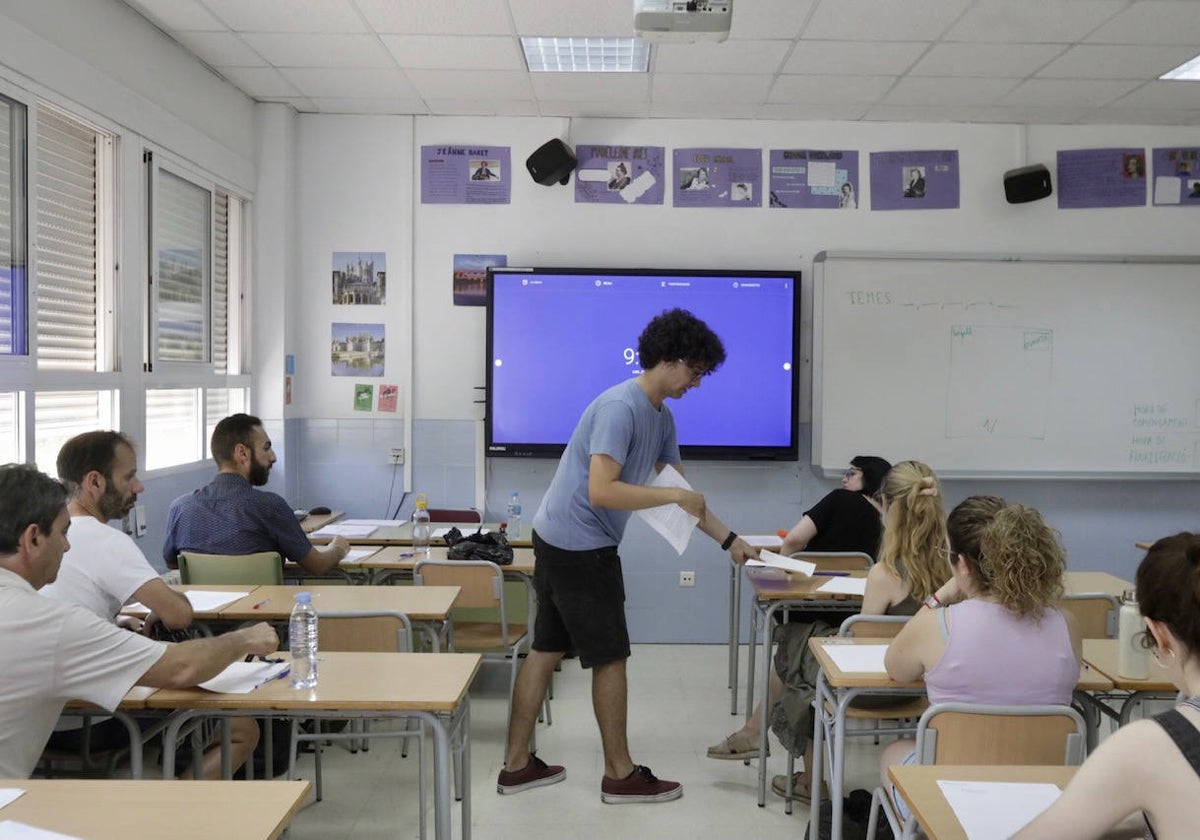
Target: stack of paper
(788, 564)
(202, 600)
(997, 810)
(357, 555)
(244, 677)
(348, 530)
(672, 522)
(13, 830)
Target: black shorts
(580, 603)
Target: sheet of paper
(244, 677)
(375, 523)
(13, 830)
(673, 523)
(357, 555)
(858, 659)
(845, 586)
(778, 561)
(201, 601)
(8, 795)
(763, 540)
(465, 528)
(343, 529)
(997, 810)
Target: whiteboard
(990, 366)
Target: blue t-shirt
(622, 424)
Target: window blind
(220, 283)
(181, 226)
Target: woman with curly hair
(1003, 642)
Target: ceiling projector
(682, 21)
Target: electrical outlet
(139, 520)
(396, 455)
(687, 578)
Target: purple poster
(619, 174)
(914, 180)
(821, 179)
(718, 177)
(465, 175)
(1101, 178)
(1177, 176)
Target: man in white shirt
(51, 652)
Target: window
(174, 433)
(182, 236)
(60, 415)
(13, 214)
(10, 428)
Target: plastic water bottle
(302, 637)
(420, 527)
(1132, 659)
(513, 516)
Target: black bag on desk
(479, 546)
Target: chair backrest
(383, 631)
(1095, 612)
(263, 567)
(873, 626)
(964, 733)
(455, 515)
(480, 582)
(837, 561)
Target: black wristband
(728, 541)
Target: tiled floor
(679, 704)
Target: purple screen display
(558, 340)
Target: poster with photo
(821, 179)
(388, 396)
(619, 174)
(925, 180)
(717, 177)
(470, 277)
(364, 395)
(466, 175)
(1101, 178)
(356, 349)
(1177, 176)
(359, 277)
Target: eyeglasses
(696, 375)
(850, 473)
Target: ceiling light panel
(586, 55)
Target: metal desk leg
(735, 615)
(767, 622)
(814, 772)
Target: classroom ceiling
(985, 61)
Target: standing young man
(625, 433)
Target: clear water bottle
(1132, 659)
(513, 516)
(420, 527)
(302, 637)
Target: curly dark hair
(678, 334)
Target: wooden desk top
(429, 682)
(118, 809)
(399, 558)
(1090, 678)
(141, 610)
(402, 534)
(1077, 582)
(1102, 655)
(919, 787)
(133, 700)
(419, 603)
(315, 522)
(771, 584)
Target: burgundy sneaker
(536, 773)
(639, 786)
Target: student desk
(133, 701)
(772, 543)
(317, 521)
(1102, 654)
(1080, 582)
(431, 687)
(402, 534)
(198, 615)
(919, 787)
(118, 809)
(835, 691)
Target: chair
(262, 568)
(836, 561)
(1096, 613)
(455, 515)
(964, 733)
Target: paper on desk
(8, 795)
(244, 677)
(858, 659)
(763, 540)
(357, 555)
(844, 586)
(344, 529)
(778, 561)
(202, 600)
(672, 522)
(375, 523)
(13, 830)
(997, 810)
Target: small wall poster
(388, 394)
(1177, 176)
(1101, 178)
(466, 175)
(814, 178)
(926, 180)
(619, 174)
(470, 277)
(717, 177)
(364, 395)
(356, 349)
(359, 277)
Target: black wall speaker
(1029, 183)
(552, 163)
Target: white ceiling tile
(769, 18)
(1031, 116)
(727, 57)
(440, 17)
(1067, 94)
(812, 111)
(668, 87)
(1169, 96)
(301, 104)
(1010, 60)
(455, 52)
(369, 105)
(928, 91)
(923, 113)
(470, 84)
(177, 14)
(1099, 61)
(596, 108)
(220, 49)
(593, 87)
(1033, 21)
(573, 17)
(854, 58)
(1152, 22)
(882, 20)
(349, 82)
(484, 107)
(259, 82)
(861, 90)
(287, 15)
(708, 111)
(297, 49)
